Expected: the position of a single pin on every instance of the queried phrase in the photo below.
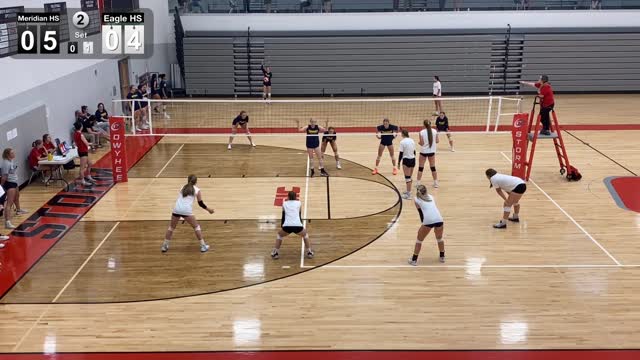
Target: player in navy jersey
(241, 120)
(266, 82)
(163, 91)
(330, 137)
(144, 105)
(386, 133)
(134, 94)
(313, 131)
(442, 125)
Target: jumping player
(330, 137)
(386, 133)
(241, 120)
(442, 125)
(428, 141)
(291, 223)
(313, 144)
(514, 187)
(266, 82)
(430, 218)
(408, 160)
(184, 209)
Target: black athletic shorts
(520, 189)
(435, 225)
(428, 155)
(410, 163)
(83, 153)
(240, 122)
(9, 185)
(292, 229)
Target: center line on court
(570, 217)
(170, 160)
(304, 212)
(85, 263)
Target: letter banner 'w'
(520, 136)
(118, 151)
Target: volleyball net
(215, 116)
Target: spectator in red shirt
(37, 153)
(48, 144)
(545, 93)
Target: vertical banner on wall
(118, 151)
(520, 135)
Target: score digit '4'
(134, 39)
(114, 43)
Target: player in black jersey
(241, 120)
(144, 106)
(134, 94)
(330, 137)
(163, 91)
(386, 133)
(313, 131)
(442, 125)
(266, 82)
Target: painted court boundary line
(570, 217)
(479, 267)
(304, 212)
(170, 160)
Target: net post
(133, 117)
(489, 113)
(498, 114)
(149, 116)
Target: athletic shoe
(310, 254)
(22, 212)
(435, 184)
(9, 225)
(500, 225)
(204, 248)
(165, 247)
(323, 172)
(274, 254)
(375, 171)
(145, 127)
(338, 165)
(442, 259)
(312, 172)
(395, 171)
(514, 219)
(545, 132)
(252, 144)
(406, 195)
(4, 238)
(138, 129)
(167, 116)
(453, 150)
(412, 262)
(229, 147)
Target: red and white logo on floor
(520, 143)
(118, 158)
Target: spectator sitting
(48, 145)
(88, 128)
(38, 152)
(84, 110)
(102, 118)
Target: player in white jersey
(430, 218)
(428, 140)
(292, 224)
(437, 94)
(184, 209)
(408, 160)
(514, 187)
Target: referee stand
(533, 130)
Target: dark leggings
(544, 114)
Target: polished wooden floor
(565, 277)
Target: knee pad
(506, 209)
(433, 168)
(407, 178)
(419, 242)
(278, 237)
(440, 241)
(197, 228)
(421, 168)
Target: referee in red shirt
(545, 93)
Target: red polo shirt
(546, 92)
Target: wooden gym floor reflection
(120, 238)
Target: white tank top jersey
(184, 204)
(426, 149)
(505, 182)
(408, 148)
(430, 211)
(291, 213)
(437, 88)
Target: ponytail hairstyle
(189, 189)
(427, 125)
(292, 195)
(422, 194)
(405, 133)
